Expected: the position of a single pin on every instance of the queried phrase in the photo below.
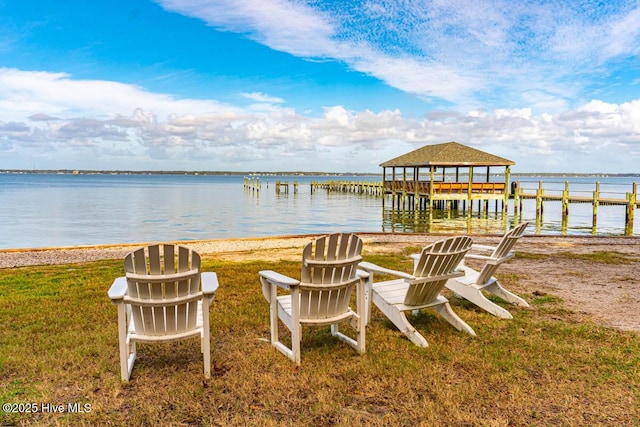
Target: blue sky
(276, 85)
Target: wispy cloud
(261, 97)
(455, 50)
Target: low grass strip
(59, 349)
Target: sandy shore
(609, 293)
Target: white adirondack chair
(474, 283)
(436, 264)
(321, 296)
(163, 297)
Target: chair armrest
(209, 282)
(278, 279)
(372, 268)
(118, 289)
(477, 256)
(478, 247)
(490, 260)
(362, 274)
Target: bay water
(53, 210)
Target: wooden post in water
(520, 198)
(516, 199)
(507, 190)
(631, 206)
(565, 201)
(596, 203)
(539, 203)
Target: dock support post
(631, 206)
(516, 198)
(470, 189)
(539, 203)
(596, 203)
(565, 201)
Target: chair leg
(401, 322)
(127, 359)
(127, 348)
(206, 340)
(399, 319)
(445, 310)
(291, 321)
(296, 341)
(273, 315)
(357, 323)
(206, 355)
(475, 296)
(358, 320)
(496, 289)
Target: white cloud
(262, 97)
(34, 93)
(191, 134)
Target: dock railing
(527, 190)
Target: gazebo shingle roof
(447, 154)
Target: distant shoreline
(277, 173)
(179, 172)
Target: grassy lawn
(58, 346)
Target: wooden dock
(283, 187)
(629, 201)
(363, 187)
(411, 195)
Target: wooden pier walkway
(371, 188)
(630, 202)
(448, 195)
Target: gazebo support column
(469, 190)
(486, 201)
(431, 192)
(416, 186)
(404, 187)
(507, 191)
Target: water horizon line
(281, 173)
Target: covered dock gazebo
(444, 163)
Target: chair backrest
(437, 264)
(329, 267)
(163, 289)
(501, 252)
(509, 240)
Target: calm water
(41, 210)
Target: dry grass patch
(59, 345)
